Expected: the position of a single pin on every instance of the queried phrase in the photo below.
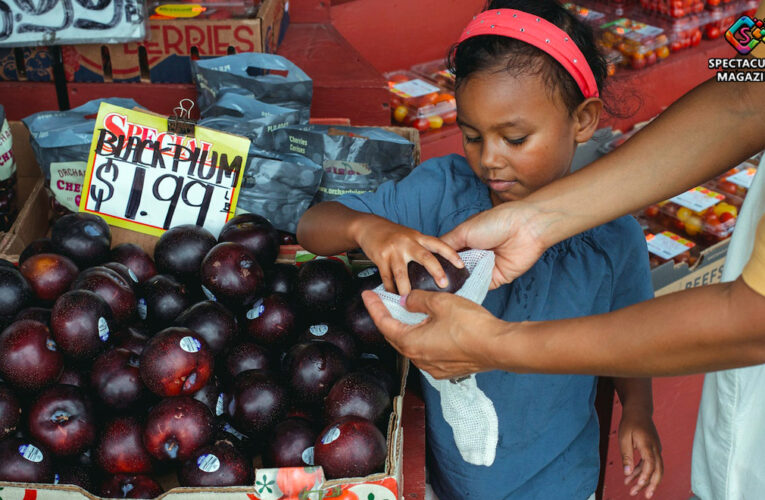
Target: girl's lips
(500, 185)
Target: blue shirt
(548, 428)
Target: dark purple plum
(29, 358)
(212, 321)
(125, 272)
(85, 238)
(232, 275)
(217, 464)
(75, 474)
(40, 314)
(74, 376)
(312, 368)
(135, 259)
(81, 322)
(175, 427)
(256, 234)
(290, 444)
(367, 279)
(61, 418)
(49, 275)
(334, 334)
(10, 410)
(180, 250)
(211, 395)
(360, 323)
(40, 245)
(116, 379)
(176, 362)
(246, 356)
(322, 287)
(25, 461)
(357, 394)
(121, 450)
(131, 338)
(113, 288)
(420, 278)
(258, 402)
(286, 238)
(282, 278)
(15, 294)
(162, 300)
(130, 486)
(350, 447)
(271, 321)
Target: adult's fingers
(392, 329)
(456, 238)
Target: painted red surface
(156, 97)
(21, 99)
(676, 404)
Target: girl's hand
(638, 432)
(513, 230)
(391, 247)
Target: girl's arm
(330, 228)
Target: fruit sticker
(366, 273)
(142, 308)
(31, 453)
(103, 329)
(190, 344)
(132, 275)
(219, 405)
(307, 456)
(208, 293)
(208, 463)
(50, 344)
(331, 434)
(318, 330)
(257, 310)
(227, 428)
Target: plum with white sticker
(190, 344)
(257, 310)
(331, 435)
(307, 456)
(319, 330)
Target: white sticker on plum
(257, 310)
(219, 405)
(319, 330)
(31, 453)
(142, 308)
(331, 434)
(208, 293)
(369, 355)
(307, 456)
(132, 275)
(208, 463)
(50, 344)
(56, 478)
(103, 329)
(366, 273)
(190, 344)
(234, 432)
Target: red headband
(540, 33)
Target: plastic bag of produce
(266, 77)
(249, 117)
(61, 143)
(354, 159)
(467, 409)
(280, 190)
(8, 204)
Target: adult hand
(511, 231)
(454, 340)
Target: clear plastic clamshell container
(419, 103)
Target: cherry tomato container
(641, 44)
(674, 8)
(594, 18)
(667, 246)
(436, 71)
(419, 103)
(700, 214)
(735, 182)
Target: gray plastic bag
(280, 190)
(267, 77)
(355, 159)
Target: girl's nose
(491, 155)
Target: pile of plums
(118, 368)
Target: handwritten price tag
(142, 177)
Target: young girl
(527, 84)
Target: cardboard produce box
(32, 64)
(165, 56)
(671, 277)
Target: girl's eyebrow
(497, 126)
(462, 123)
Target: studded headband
(540, 33)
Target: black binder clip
(181, 123)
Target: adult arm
(700, 135)
(697, 330)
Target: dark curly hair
(494, 52)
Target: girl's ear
(587, 117)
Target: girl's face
(516, 137)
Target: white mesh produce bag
(465, 407)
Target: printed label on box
(667, 245)
(413, 88)
(7, 163)
(743, 178)
(698, 199)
